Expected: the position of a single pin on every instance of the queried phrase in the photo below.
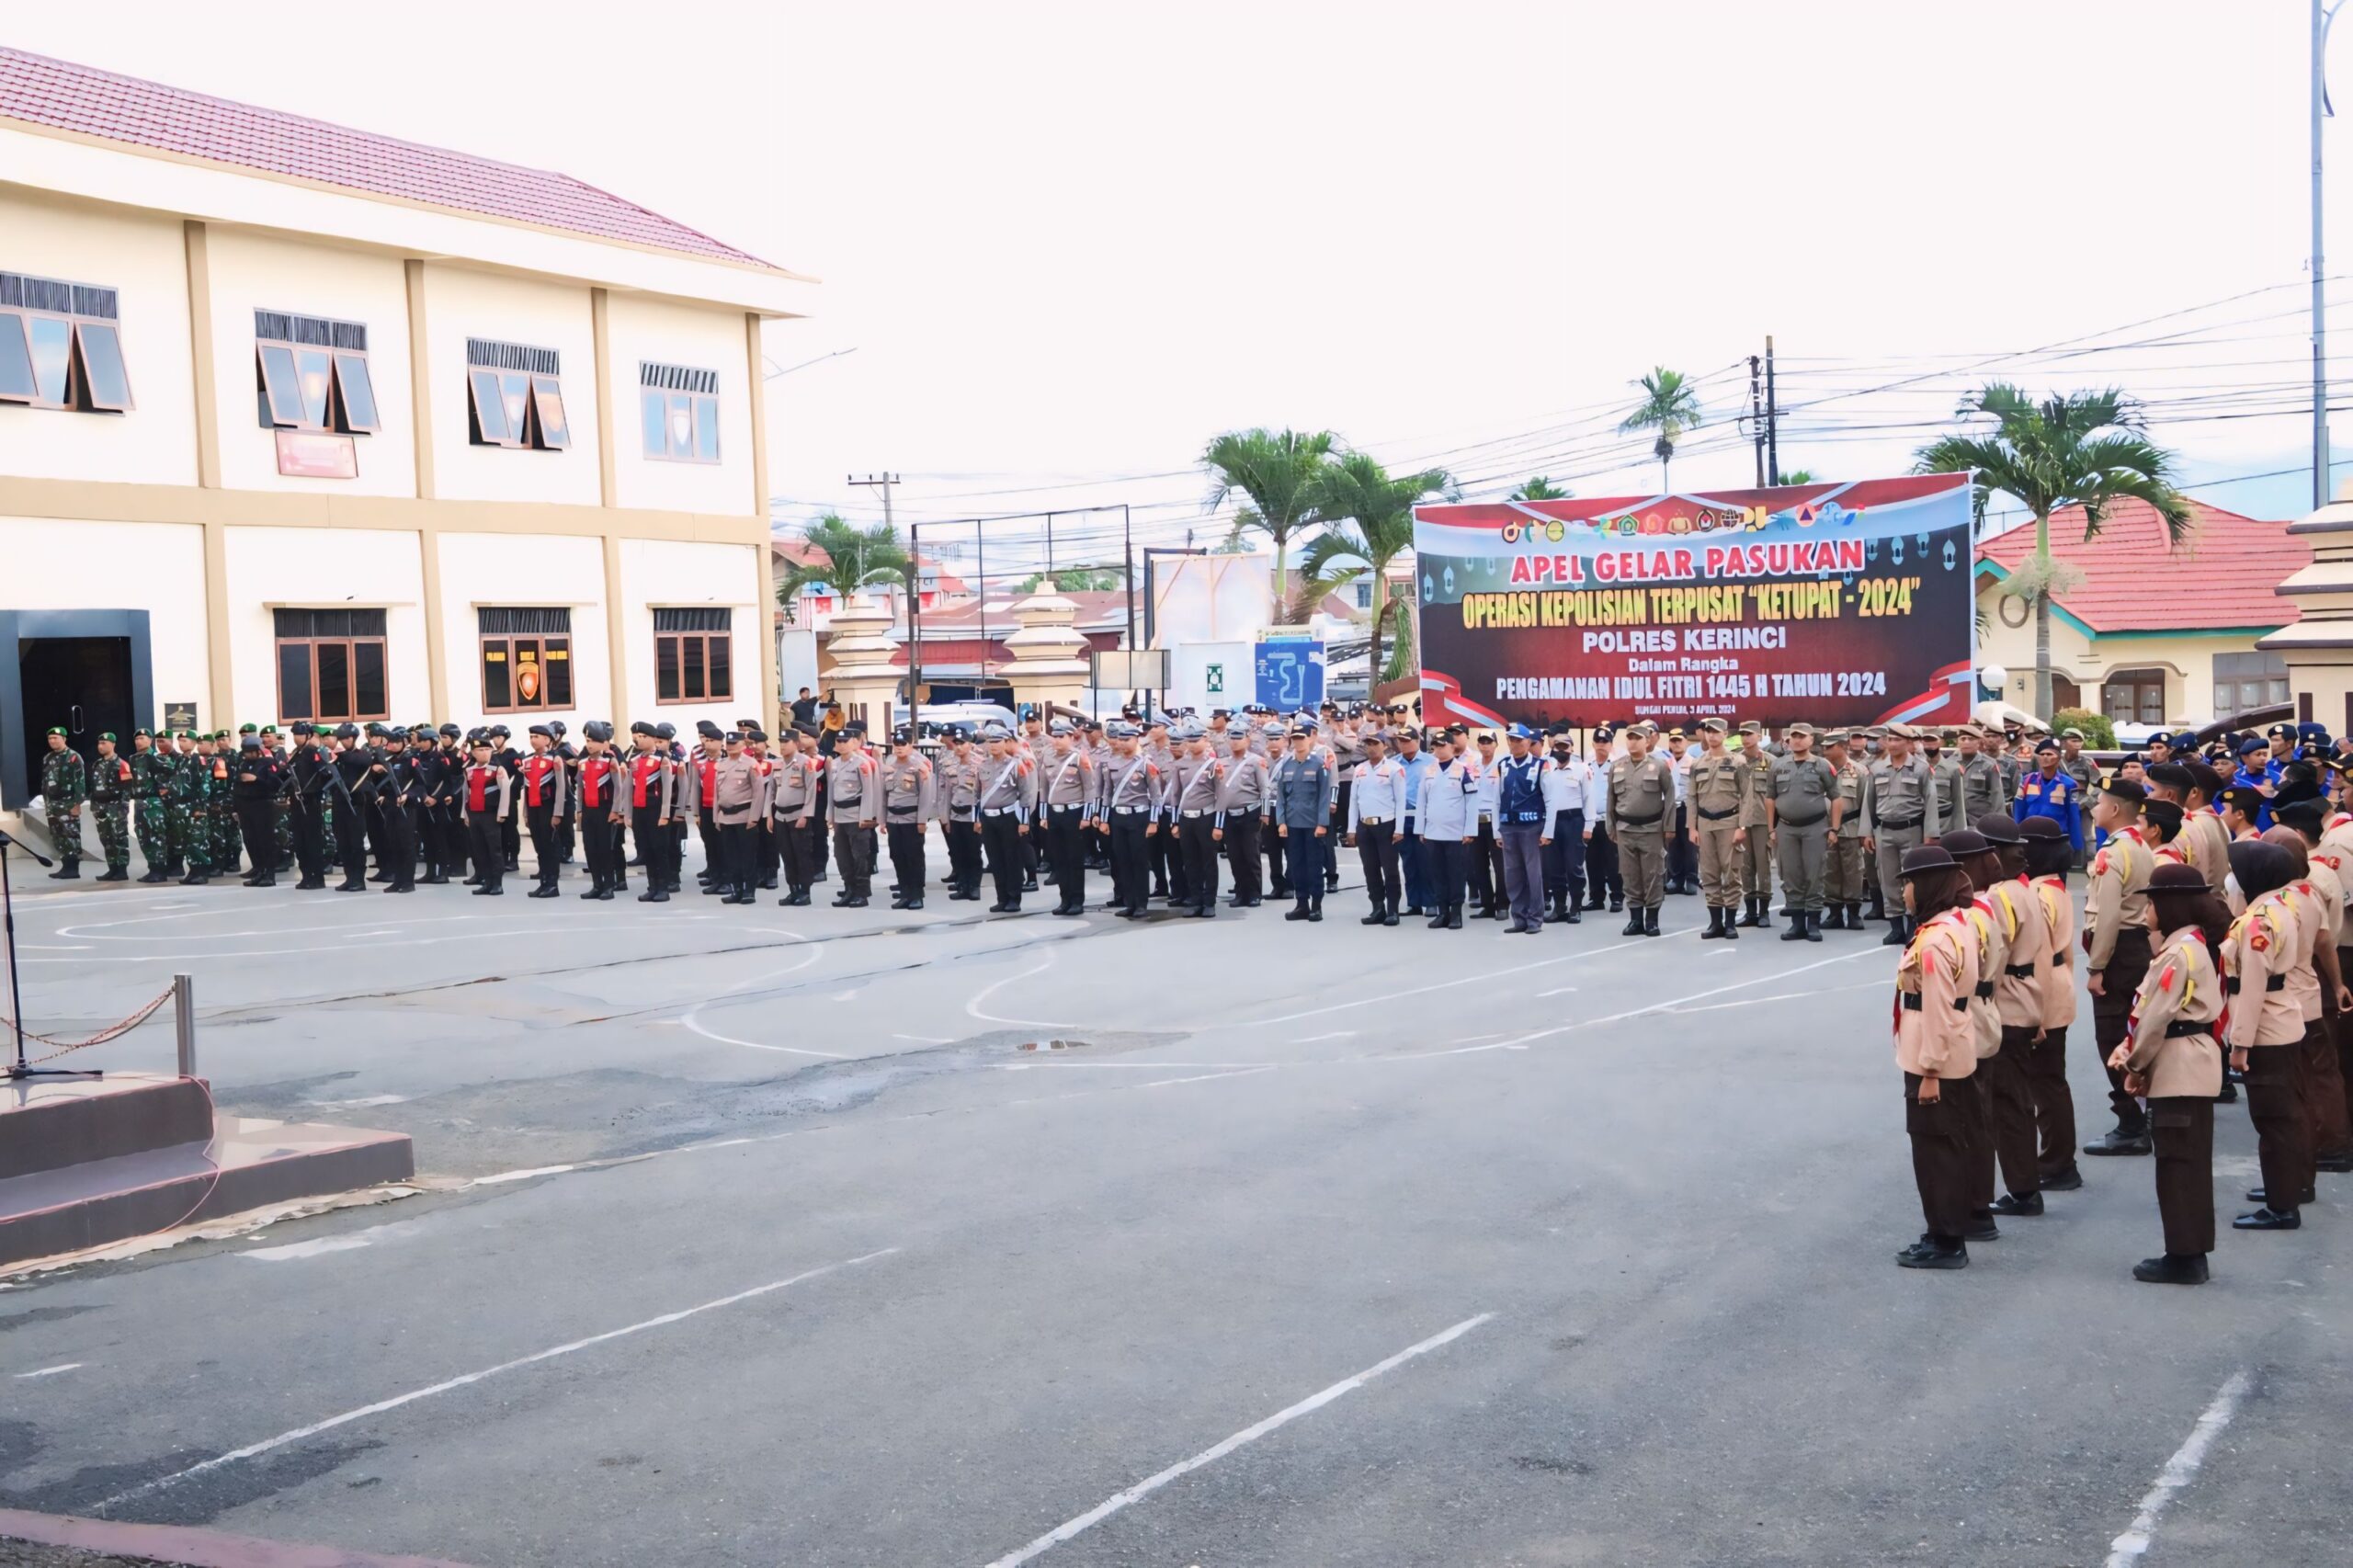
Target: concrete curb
(190, 1548)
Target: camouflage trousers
(283, 834)
(65, 831)
(113, 818)
(154, 821)
(190, 826)
(221, 820)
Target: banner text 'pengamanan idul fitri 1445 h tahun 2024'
(1837, 604)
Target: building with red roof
(2146, 630)
(301, 422)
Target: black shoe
(351, 885)
(595, 891)
(1454, 917)
(1796, 932)
(542, 890)
(653, 895)
(861, 901)
(2230, 1091)
(1438, 921)
(1927, 1255)
(265, 881)
(1650, 921)
(2255, 1195)
(2335, 1165)
(2172, 1269)
(1896, 934)
(1715, 930)
(1836, 920)
(2067, 1180)
(69, 872)
(1617, 901)
(1812, 921)
(2122, 1141)
(1028, 884)
(2269, 1219)
(1389, 918)
(155, 876)
(1633, 927)
(113, 874)
(308, 884)
(2026, 1207)
(1576, 915)
(802, 898)
(1374, 918)
(1297, 912)
(1981, 1228)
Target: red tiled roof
(80, 98)
(2223, 574)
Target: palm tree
(1541, 489)
(1367, 522)
(1276, 473)
(1799, 476)
(2082, 449)
(1670, 407)
(848, 557)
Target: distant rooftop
(83, 99)
(2225, 575)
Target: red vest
(591, 780)
(710, 768)
(535, 775)
(642, 772)
(477, 786)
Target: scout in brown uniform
(2049, 856)
(1936, 1046)
(2266, 1027)
(2014, 915)
(1756, 847)
(1641, 798)
(2325, 1090)
(1718, 787)
(2116, 944)
(2172, 1061)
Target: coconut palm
(847, 558)
(2082, 449)
(1799, 476)
(1367, 516)
(1275, 473)
(1670, 407)
(1541, 489)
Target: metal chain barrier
(66, 1048)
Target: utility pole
(915, 634)
(1128, 554)
(1772, 420)
(1756, 414)
(884, 482)
(2324, 17)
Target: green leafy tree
(1541, 489)
(847, 558)
(1077, 579)
(1669, 408)
(1275, 473)
(1799, 476)
(1367, 516)
(2082, 449)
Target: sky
(1063, 246)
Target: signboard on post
(1836, 604)
(1289, 673)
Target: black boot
(2172, 1269)
(1897, 935)
(1454, 917)
(1633, 926)
(1650, 921)
(1715, 925)
(1617, 901)
(154, 874)
(1812, 919)
(1578, 906)
(69, 872)
(1748, 910)
(1837, 919)
(1732, 926)
(1376, 915)
(114, 874)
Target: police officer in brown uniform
(1065, 786)
(1641, 799)
(739, 798)
(853, 805)
(1844, 881)
(1242, 797)
(1804, 811)
(793, 812)
(909, 803)
(1718, 785)
(1898, 796)
(956, 779)
(1755, 849)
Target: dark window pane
(285, 387)
(294, 680)
(367, 681)
(692, 685)
(293, 623)
(317, 368)
(554, 432)
(359, 392)
(53, 348)
(559, 675)
(102, 358)
(16, 360)
(335, 680)
(367, 622)
(651, 405)
(721, 680)
(496, 662)
(707, 428)
(490, 414)
(330, 623)
(666, 669)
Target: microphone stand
(20, 1070)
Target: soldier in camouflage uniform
(65, 785)
(151, 777)
(190, 815)
(220, 806)
(111, 787)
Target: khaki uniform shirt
(1944, 774)
(907, 791)
(852, 795)
(1801, 789)
(2018, 991)
(1641, 794)
(2059, 963)
(739, 791)
(2180, 987)
(1065, 780)
(1244, 786)
(2119, 892)
(2262, 946)
(1893, 793)
(1982, 790)
(1719, 791)
(1934, 982)
(1849, 793)
(1755, 777)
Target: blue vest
(1520, 794)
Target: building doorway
(87, 670)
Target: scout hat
(1997, 827)
(2170, 877)
(2124, 789)
(1963, 841)
(1927, 857)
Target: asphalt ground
(766, 1235)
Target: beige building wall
(2185, 659)
(538, 570)
(273, 568)
(157, 567)
(677, 575)
(705, 339)
(461, 303)
(252, 272)
(144, 259)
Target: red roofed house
(2151, 635)
(299, 422)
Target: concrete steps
(85, 1163)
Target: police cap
(665, 730)
(542, 729)
(598, 730)
(706, 729)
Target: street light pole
(2324, 17)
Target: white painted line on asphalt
(369, 1100)
(692, 1023)
(1335, 1034)
(993, 987)
(849, 996)
(1556, 991)
(381, 1405)
(1152, 1484)
(1783, 997)
(923, 1039)
(50, 1371)
(1443, 984)
(1205, 1077)
(2126, 1550)
(693, 1015)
